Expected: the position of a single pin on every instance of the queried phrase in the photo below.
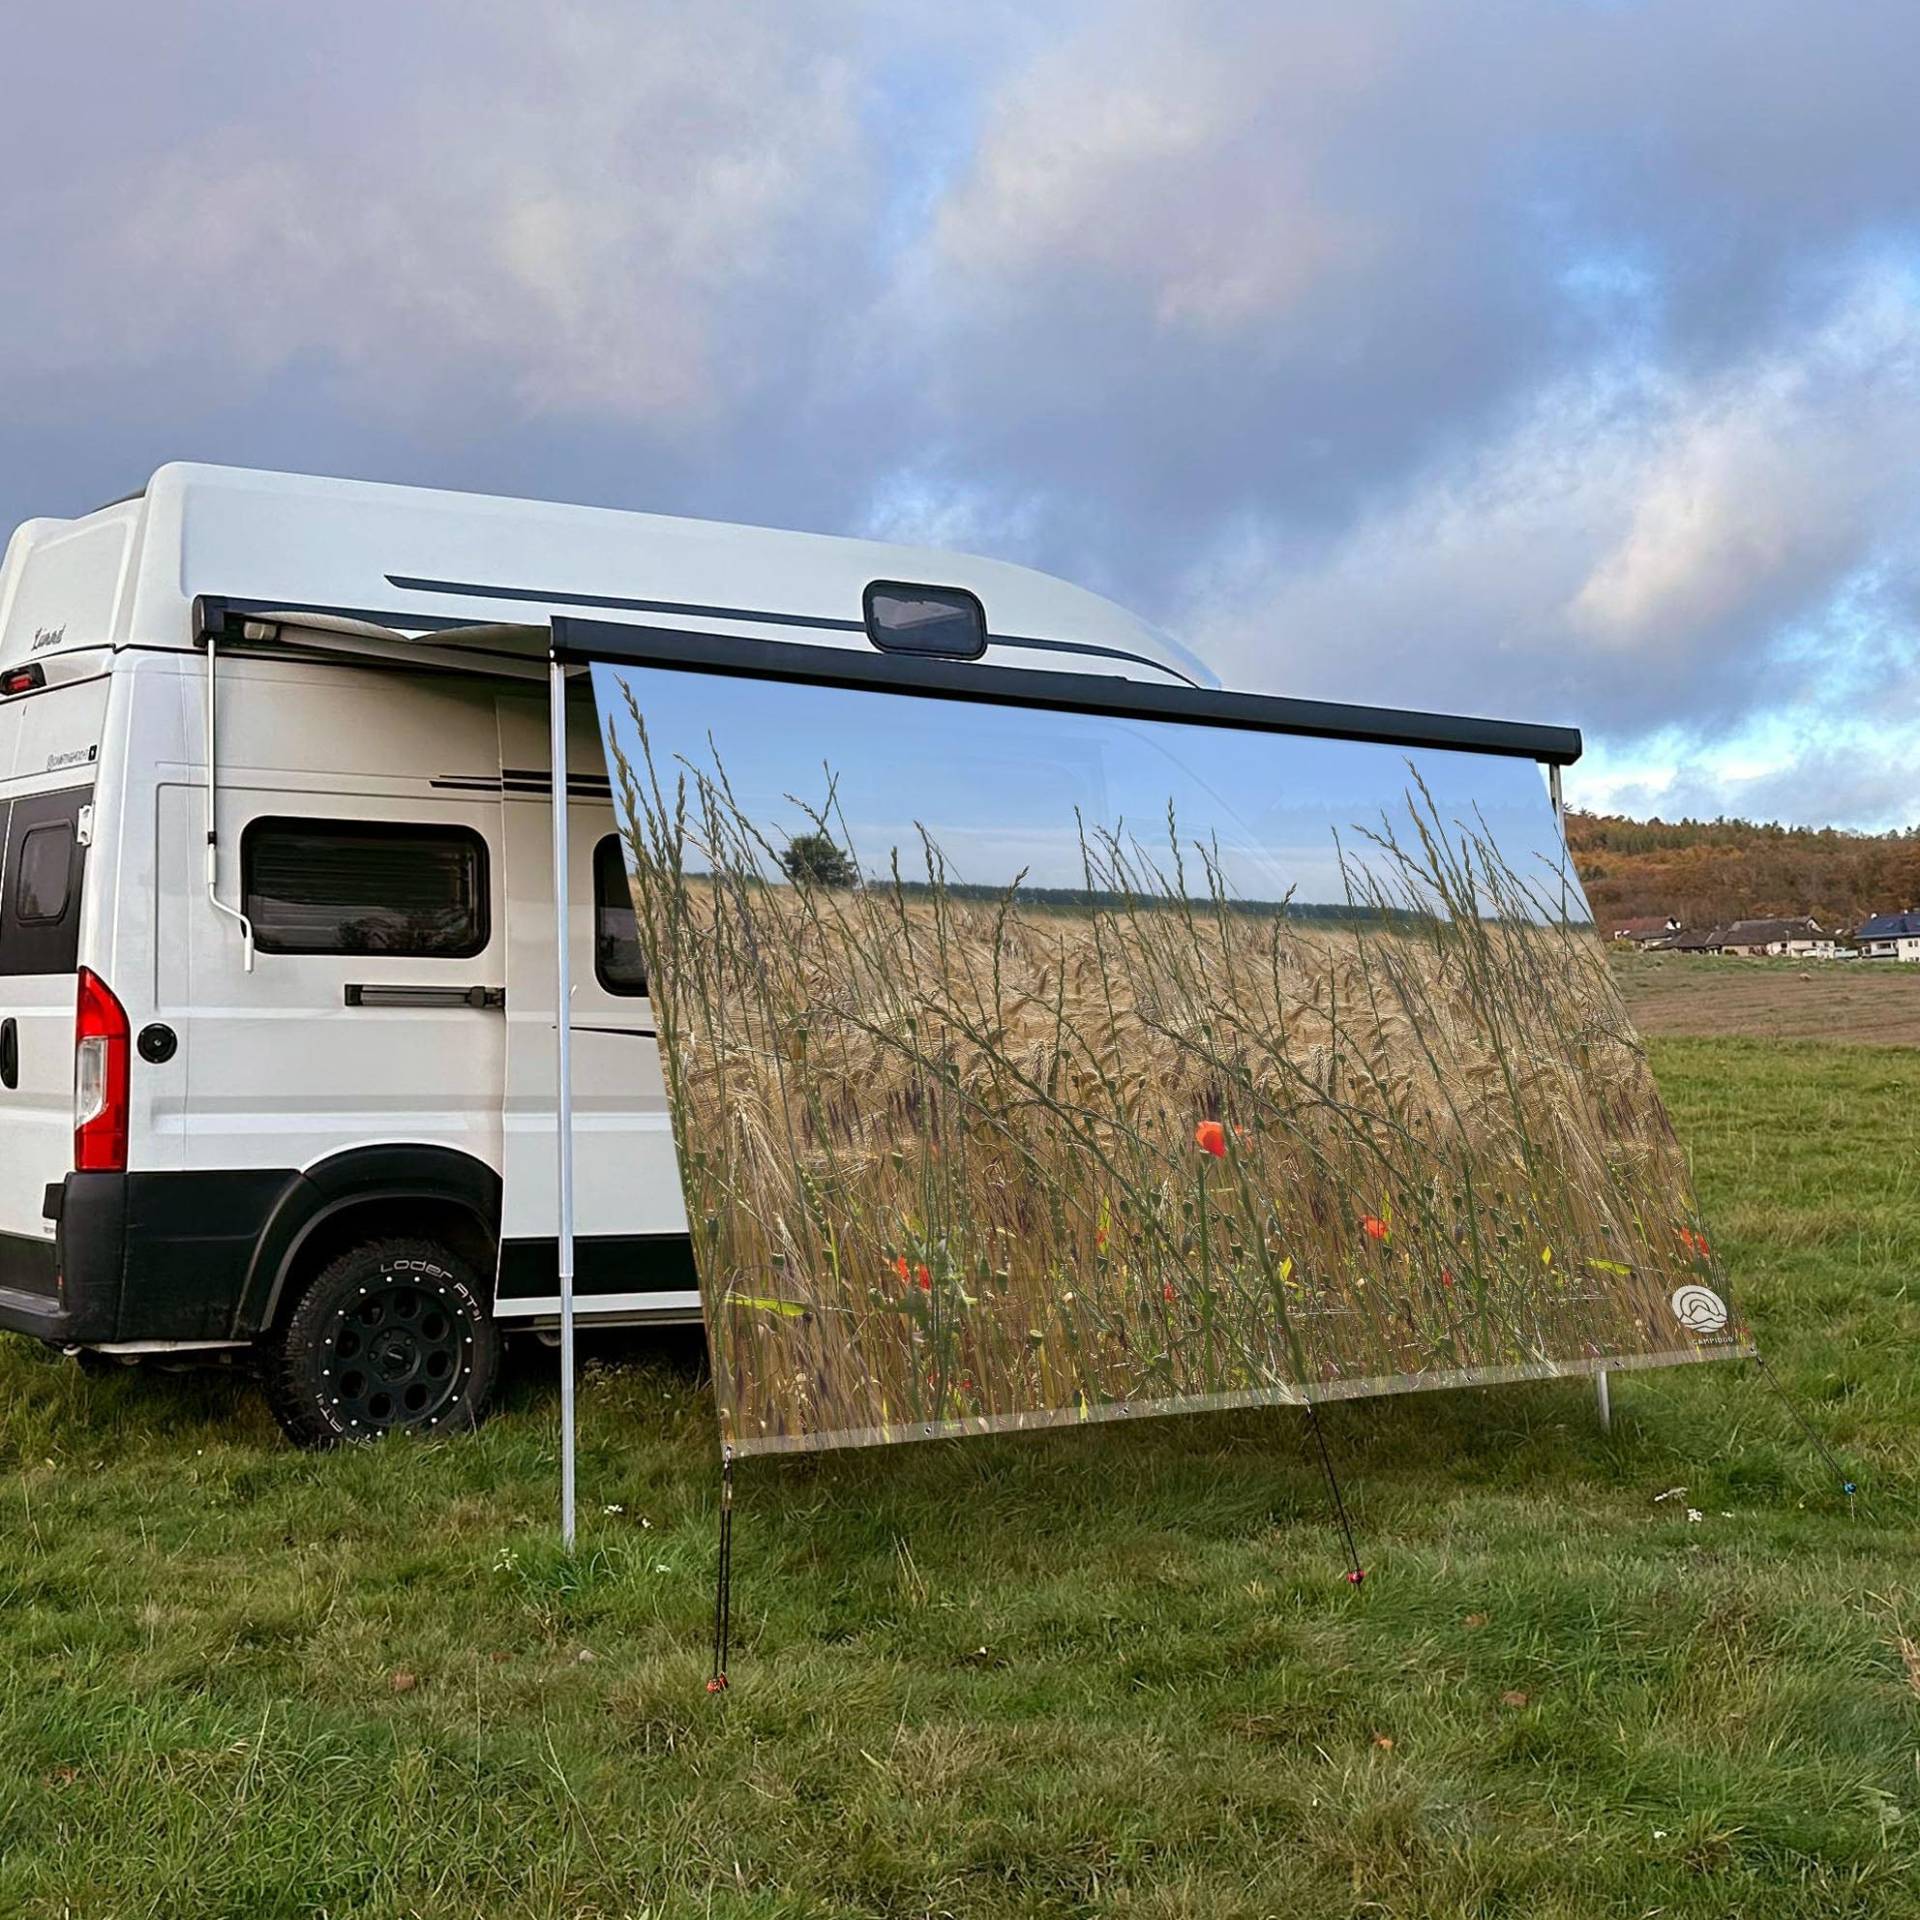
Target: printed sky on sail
(1030, 1067)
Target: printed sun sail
(1032, 1067)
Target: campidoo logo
(1699, 1309)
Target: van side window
(43, 864)
(44, 882)
(365, 886)
(617, 961)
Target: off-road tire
(393, 1336)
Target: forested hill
(1707, 872)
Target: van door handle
(9, 1053)
(405, 996)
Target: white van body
(373, 713)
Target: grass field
(1114, 1672)
(1876, 1003)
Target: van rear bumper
(67, 1289)
(138, 1256)
(31, 1300)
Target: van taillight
(100, 1058)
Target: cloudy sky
(1557, 358)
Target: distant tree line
(1319, 913)
(1706, 873)
(817, 860)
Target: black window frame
(40, 944)
(644, 991)
(886, 638)
(383, 829)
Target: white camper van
(277, 937)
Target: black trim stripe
(580, 786)
(1086, 647)
(602, 1263)
(619, 603)
(589, 786)
(796, 663)
(758, 616)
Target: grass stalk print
(957, 1163)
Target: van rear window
(365, 886)
(44, 883)
(41, 867)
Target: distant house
(1890, 936)
(1644, 932)
(1691, 940)
(1799, 939)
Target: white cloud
(1631, 551)
(580, 210)
(1142, 151)
(1787, 466)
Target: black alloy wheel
(392, 1336)
(397, 1357)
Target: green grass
(1115, 1671)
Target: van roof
(415, 557)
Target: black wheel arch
(369, 1193)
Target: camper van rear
(49, 749)
(277, 967)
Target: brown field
(955, 1163)
(1854, 1002)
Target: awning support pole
(1560, 820)
(1602, 1387)
(563, 1063)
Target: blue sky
(1006, 792)
(1531, 357)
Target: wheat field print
(1035, 1067)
